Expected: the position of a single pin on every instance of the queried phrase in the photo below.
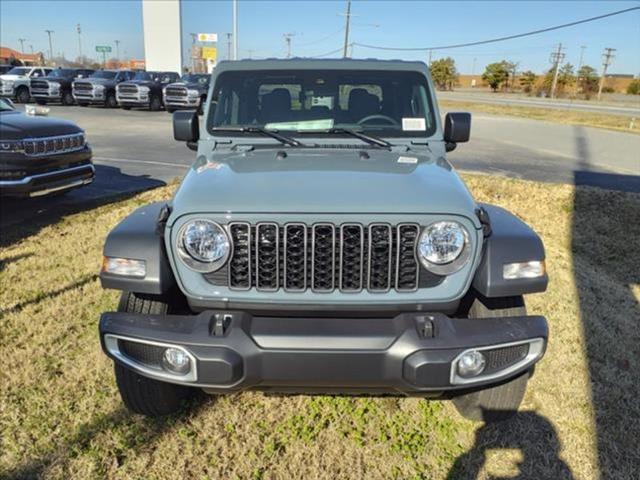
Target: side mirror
(186, 127)
(457, 127)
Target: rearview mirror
(457, 128)
(186, 127)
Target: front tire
(502, 401)
(23, 95)
(111, 101)
(67, 99)
(155, 104)
(140, 394)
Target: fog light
(124, 266)
(471, 364)
(176, 360)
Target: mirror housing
(186, 127)
(457, 128)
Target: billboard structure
(205, 52)
(162, 35)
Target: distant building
(133, 64)
(9, 56)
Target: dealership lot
(134, 150)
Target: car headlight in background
(444, 247)
(193, 93)
(203, 245)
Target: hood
(323, 181)
(13, 77)
(97, 81)
(16, 126)
(148, 83)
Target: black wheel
(41, 101)
(155, 103)
(501, 401)
(23, 95)
(67, 98)
(140, 394)
(111, 101)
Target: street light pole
(49, 32)
(235, 29)
(79, 30)
(346, 29)
(117, 42)
(22, 40)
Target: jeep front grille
(324, 257)
(34, 147)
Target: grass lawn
(570, 117)
(61, 416)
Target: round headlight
(443, 247)
(203, 245)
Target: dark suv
(57, 86)
(100, 87)
(144, 90)
(189, 92)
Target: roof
(6, 52)
(321, 64)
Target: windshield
(195, 78)
(145, 76)
(18, 71)
(5, 106)
(391, 103)
(61, 72)
(103, 74)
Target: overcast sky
(319, 28)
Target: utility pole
(607, 59)
(229, 46)
(117, 42)
(556, 58)
(49, 32)
(473, 67)
(430, 56)
(31, 48)
(79, 30)
(22, 40)
(193, 58)
(582, 49)
(235, 29)
(287, 39)
(346, 29)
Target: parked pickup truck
(16, 83)
(41, 156)
(189, 92)
(100, 87)
(57, 86)
(144, 90)
(322, 243)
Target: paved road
(135, 150)
(630, 110)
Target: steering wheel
(391, 121)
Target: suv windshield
(150, 76)
(391, 103)
(195, 78)
(103, 74)
(18, 71)
(61, 72)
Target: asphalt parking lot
(134, 150)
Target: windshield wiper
(379, 142)
(292, 142)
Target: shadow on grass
(23, 217)
(138, 433)
(530, 434)
(605, 240)
(9, 260)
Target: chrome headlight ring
(461, 257)
(190, 258)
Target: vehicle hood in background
(13, 77)
(323, 181)
(97, 81)
(17, 126)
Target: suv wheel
(67, 98)
(23, 95)
(140, 394)
(501, 401)
(111, 101)
(155, 103)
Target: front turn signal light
(531, 269)
(126, 267)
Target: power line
(331, 52)
(501, 39)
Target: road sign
(103, 49)
(210, 53)
(207, 37)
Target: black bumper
(331, 355)
(45, 183)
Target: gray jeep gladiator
(322, 243)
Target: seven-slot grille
(53, 145)
(176, 91)
(324, 257)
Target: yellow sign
(210, 53)
(207, 37)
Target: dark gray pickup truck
(323, 243)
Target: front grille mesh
(128, 89)
(500, 358)
(142, 352)
(83, 86)
(324, 257)
(53, 145)
(39, 85)
(176, 91)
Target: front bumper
(37, 185)
(408, 354)
(181, 102)
(46, 94)
(138, 100)
(91, 96)
(7, 91)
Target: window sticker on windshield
(407, 160)
(413, 124)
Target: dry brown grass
(61, 417)
(569, 117)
